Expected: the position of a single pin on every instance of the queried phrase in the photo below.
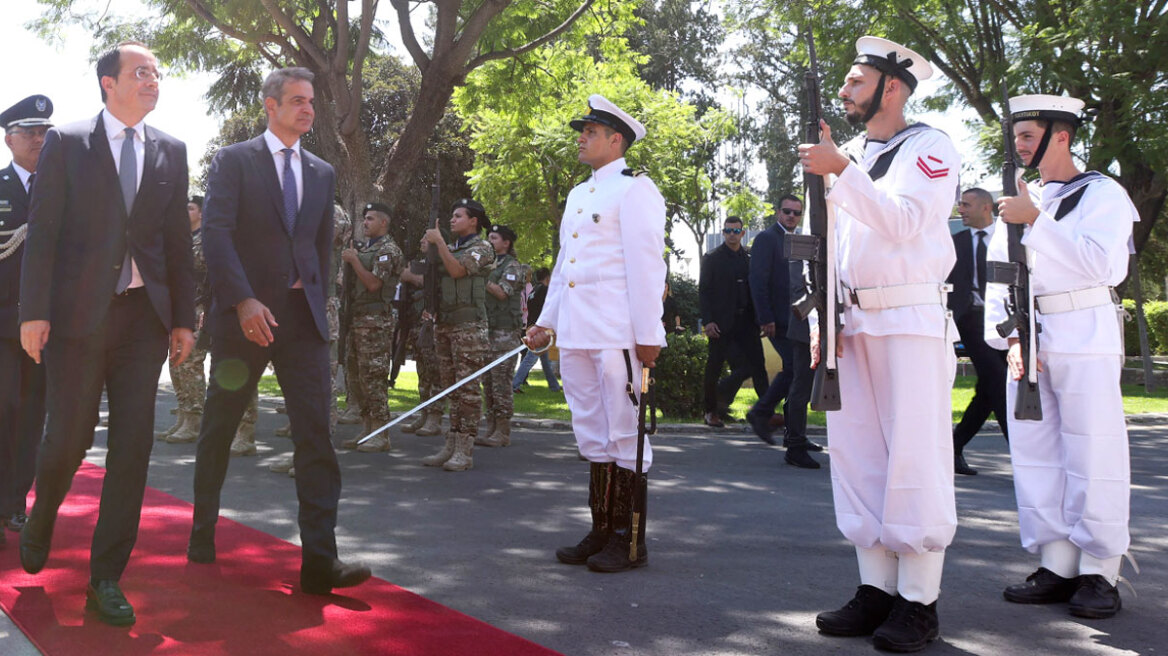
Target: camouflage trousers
(190, 381)
(426, 360)
(367, 360)
(462, 349)
(497, 393)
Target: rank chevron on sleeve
(929, 170)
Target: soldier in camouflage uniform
(460, 329)
(429, 421)
(375, 265)
(504, 324)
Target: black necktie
(981, 262)
(31, 179)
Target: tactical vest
(367, 302)
(462, 300)
(507, 313)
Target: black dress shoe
(860, 616)
(909, 627)
(1042, 587)
(340, 575)
(961, 467)
(812, 446)
(105, 598)
(713, 420)
(798, 457)
(16, 521)
(1095, 598)
(199, 552)
(761, 427)
(35, 538)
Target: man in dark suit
(22, 381)
(107, 286)
(770, 284)
(728, 321)
(967, 302)
(267, 238)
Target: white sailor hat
(1046, 107)
(893, 59)
(602, 111)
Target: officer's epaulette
(633, 174)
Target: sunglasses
(731, 231)
(791, 212)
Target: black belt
(131, 291)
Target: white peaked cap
(601, 110)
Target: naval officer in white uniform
(1071, 468)
(604, 306)
(891, 443)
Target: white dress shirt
(276, 147)
(22, 174)
(115, 131)
(973, 238)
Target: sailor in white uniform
(604, 305)
(1071, 469)
(891, 444)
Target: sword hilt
(546, 347)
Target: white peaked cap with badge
(1041, 106)
(601, 110)
(893, 59)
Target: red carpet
(247, 604)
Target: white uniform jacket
(607, 285)
(894, 230)
(1087, 248)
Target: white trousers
(604, 419)
(892, 443)
(1072, 475)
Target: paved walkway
(743, 549)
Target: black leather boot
(599, 498)
(617, 556)
(1094, 598)
(909, 627)
(860, 616)
(1042, 587)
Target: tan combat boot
(415, 423)
(461, 460)
(351, 443)
(244, 442)
(180, 419)
(482, 441)
(281, 466)
(432, 425)
(380, 442)
(440, 458)
(189, 432)
(501, 436)
(351, 415)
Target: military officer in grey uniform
(504, 327)
(22, 381)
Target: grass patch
(538, 401)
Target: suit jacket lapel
(266, 165)
(310, 200)
(152, 163)
(102, 160)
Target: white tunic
(607, 285)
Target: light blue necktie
(291, 206)
(128, 176)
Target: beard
(859, 109)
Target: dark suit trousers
(301, 360)
(22, 422)
(799, 395)
(990, 391)
(780, 384)
(125, 355)
(743, 349)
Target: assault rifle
(818, 250)
(430, 282)
(1016, 274)
(348, 279)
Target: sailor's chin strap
(1042, 144)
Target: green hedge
(678, 376)
(1157, 315)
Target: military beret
(601, 110)
(376, 207)
(475, 209)
(504, 232)
(33, 110)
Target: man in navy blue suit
(967, 302)
(770, 285)
(267, 238)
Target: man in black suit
(799, 333)
(267, 238)
(770, 283)
(728, 321)
(967, 302)
(107, 286)
(22, 381)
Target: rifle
(430, 282)
(347, 282)
(818, 250)
(1016, 274)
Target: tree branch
(352, 121)
(302, 39)
(531, 45)
(408, 39)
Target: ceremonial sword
(446, 392)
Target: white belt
(1079, 299)
(894, 296)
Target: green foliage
(1156, 313)
(685, 294)
(679, 372)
